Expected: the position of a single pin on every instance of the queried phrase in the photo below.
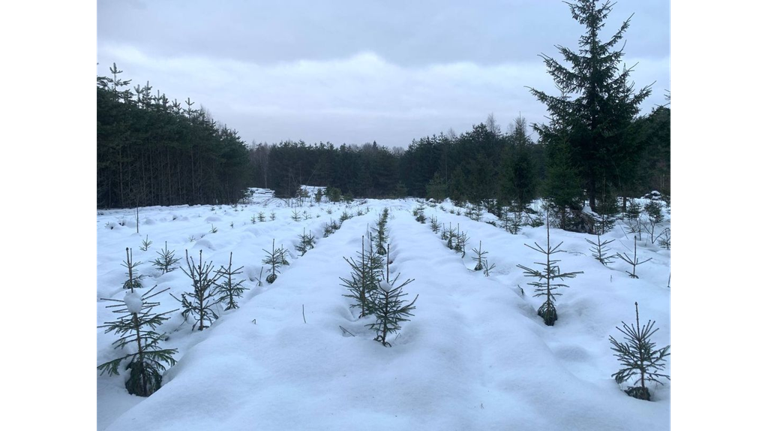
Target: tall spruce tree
(604, 102)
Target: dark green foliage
(134, 281)
(151, 151)
(562, 186)
(433, 224)
(437, 188)
(318, 195)
(514, 222)
(481, 262)
(460, 242)
(166, 261)
(275, 259)
(333, 194)
(632, 216)
(306, 242)
(518, 171)
(390, 308)
(639, 357)
(380, 233)
(598, 120)
(230, 290)
(655, 216)
(600, 250)
(366, 271)
(546, 284)
(634, 261)
(201, 301)
(606, 211)
(295, 215)
(135, 329)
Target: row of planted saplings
(373, 291)
(136, 322)
(639, 357)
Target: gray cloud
(360, 71)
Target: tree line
(151, 151)
(594, 147)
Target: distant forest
(153, 151)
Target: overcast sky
(358, 71)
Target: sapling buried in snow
(133, 281)
(390, 308)
(306, 242)
(275, 259)
(166, 260)
(362, 281)
(205, 292)
(546, 285)
(135, 327)
(228, 288)
(639, 357)
(600, 250)
(633, 261)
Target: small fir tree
(546, 284)
(390, 308)
(134, 281)
(205, 295)
(639, 357)
(480, 256)
(460, 244)
(381, 233)
(632, 261)
(600, 250)
(655, 216)
(229, 289)
(145, 243)
(433, 224)
(275, 259)
(306, 242)
(166, 261)
(136, 326)
(272, 216)
(361, 283)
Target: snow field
(474, 356)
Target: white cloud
(356, 99)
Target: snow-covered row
(474, 356)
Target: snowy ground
(475, 356)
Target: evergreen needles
(166, 260)
(546, 285)
(275, 259)
(205, 293)
(361, 283)
(632, 261)
(136, 327)
(639, 357)
(390, 308)
(133, 282)
(481, 262)
(229, 289)
(306, 242)
(600, 251)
